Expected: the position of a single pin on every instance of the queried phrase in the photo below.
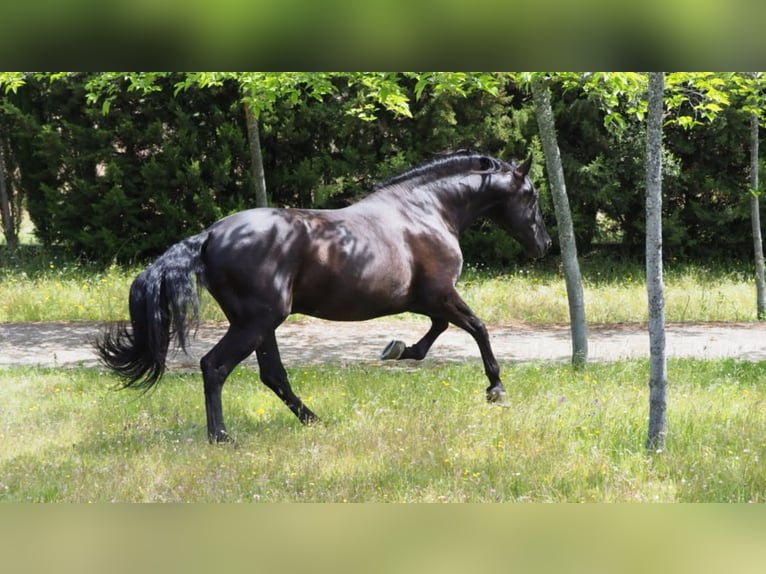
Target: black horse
(395, 250)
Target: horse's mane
(447, 164)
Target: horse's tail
(164, 303)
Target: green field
(389, 434)
(392, 432)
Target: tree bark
(658, 378)
(578, 324)
(6, 207)
(256, 157)
(755, 219)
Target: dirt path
(311, 341)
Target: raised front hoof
(393, 350)
(498, 397)
(220, 437)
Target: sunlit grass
(46, 287)
(43, 287)
(63, 295)
(613, 294)
(389, 434)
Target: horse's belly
(344, 300)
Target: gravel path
(312, 341)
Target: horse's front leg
(399, 350)
(460, 314)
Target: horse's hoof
(498, 397)
(393, 350)
(222, 437)
(311, 420)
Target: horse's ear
(524, 168)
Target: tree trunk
(755, 219)
(658, 377)
(578, 324)
(256, 157)
(6, 207)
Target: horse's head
(494, 188)
(520, 215)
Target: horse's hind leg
(274, 376)
(399, 350)
(235, 346)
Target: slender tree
(256, 156)
(6, 207)
(750, 86)
(9, 82)
(658, 378)
(578, 323)
(690, 98)
(755, 218)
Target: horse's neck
(455, 198)
(458, 199)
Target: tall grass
(614, 293)
(40, 286)
(389, 434)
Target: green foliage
(125, 184)
(704, 169)
(121, 164)
(749, 87)
(695, 97)
(11, 81)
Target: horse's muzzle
(540, 247)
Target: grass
(37, 285)
(614, 293)
(390, 434)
